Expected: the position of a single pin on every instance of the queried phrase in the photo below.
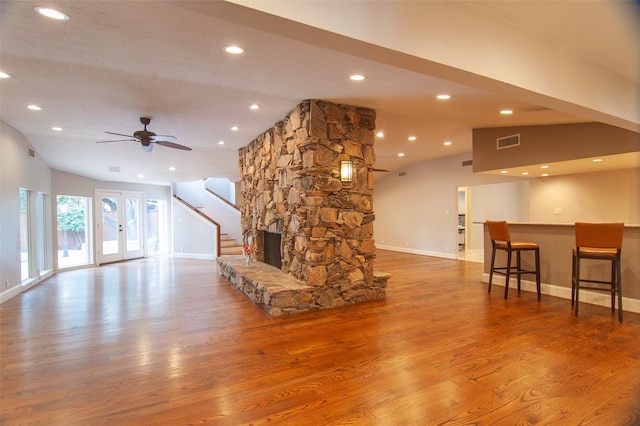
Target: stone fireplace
(291, 187)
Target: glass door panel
(133, 231)
(110, 226)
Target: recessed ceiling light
(51, 13)
(220, 142)
(504, 172)
(597, 160)
(401, 154)
(545, 174)
(412, 138)
(34, 107)
(254, 106)
(234, 50)
(447, 143)
(380, 134)
(506, 112)
(235, 128)
(141, 176)
(525, 173)
(357, 77)
(443, 96)
(57, 129)
(172, 168)
(544, 167)
(4, 75)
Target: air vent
(114, 169)
(402, 174)
(508, 141)
(31, 153)
(467, 163)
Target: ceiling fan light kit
(148, 138)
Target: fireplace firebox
(272, 253)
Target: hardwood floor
(168, 341)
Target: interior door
(119, 226)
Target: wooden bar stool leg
(577, 281)
(619, 289)
(493, 261)
(537, 252)
(519, 266)
(573, 278)
(613, 285)
(506, 283)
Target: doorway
(463, 216)
(119, 225)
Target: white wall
(418, 212)
(222, 187)
(18, 170)
(191, 192)
(194, 237)
(69, 184)
(608, 196)
(499, 201)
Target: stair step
(231, 250)
(229, 243)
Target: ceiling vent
(114, 169)
(508, 141)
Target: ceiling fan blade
(158, 138)
(173, 145)
(119, 140)
(119, 134)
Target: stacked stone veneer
(291, 185)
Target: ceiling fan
(147, 138)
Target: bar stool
(501, 240)
(598, 241)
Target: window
(42, 230)
(74, 231)
(25, 258)
(156, 227)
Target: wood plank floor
(168, 341)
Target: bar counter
(556, 243)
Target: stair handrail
(229, 203)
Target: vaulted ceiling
(113, 62)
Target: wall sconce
(346, 171)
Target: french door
(119, 226)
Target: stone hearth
(267, 286)
(271, 289)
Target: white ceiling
(116, 61)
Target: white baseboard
(414, 251)
(17, 289)
(586, 296)
(11, 292)
(197, 256)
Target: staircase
(229, 245)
